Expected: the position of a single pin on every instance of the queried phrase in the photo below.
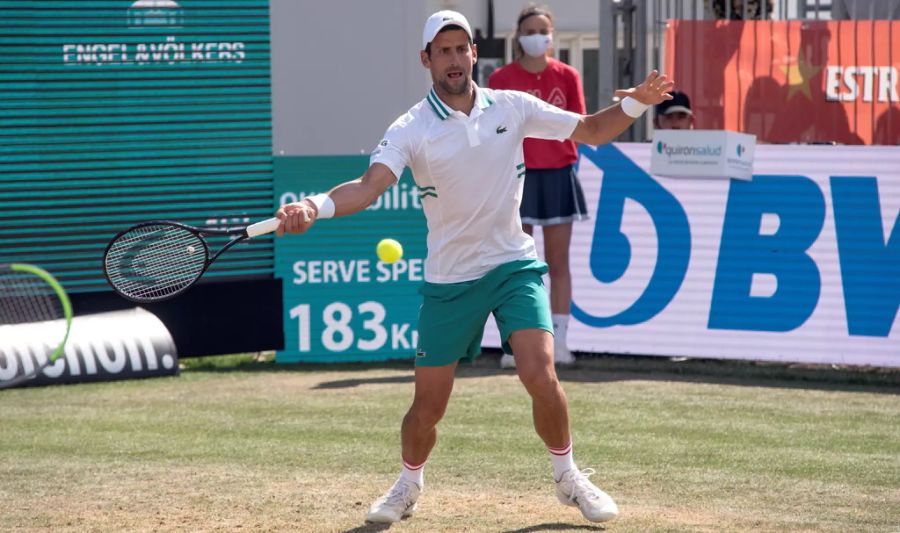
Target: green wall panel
(115, 112)
(341, 304)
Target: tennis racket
(35, 317)
(160, 259)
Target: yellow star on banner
(798, 75)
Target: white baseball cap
(439, 21)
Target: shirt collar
(443, 111)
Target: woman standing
(552, 196)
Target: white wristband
(632, 107)
(324, 204)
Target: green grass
(241, 444)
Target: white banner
(127, 344)
(702, 153)
(801, 264)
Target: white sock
(414, 473)
(560, 328)
(562, 460)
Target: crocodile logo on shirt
(501, 129)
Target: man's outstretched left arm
(606, 124)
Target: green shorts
(452, 317)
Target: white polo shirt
(469, 171)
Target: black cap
(680, 103)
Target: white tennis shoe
(576, 490)
(507, 361)
(395, 504)
(562, 356)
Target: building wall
(343, 70)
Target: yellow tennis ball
(389, 250)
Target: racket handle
(261, 228)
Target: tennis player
(464, 146)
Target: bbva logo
(869, 263)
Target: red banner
(791, 81)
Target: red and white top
(558, 84)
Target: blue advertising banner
(800, 264)
(341, 303)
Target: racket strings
(155, 261)
(26, 298)
(31, 322)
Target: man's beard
(462, 89)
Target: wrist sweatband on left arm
(632, 107)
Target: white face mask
(536, 45)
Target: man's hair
(448, 27)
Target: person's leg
(533, 349)
(557, 239)
(418, 435)
(419, 430)
(451, 326)
(534, 361)
(522, 311)
(568, 206)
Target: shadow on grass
(368, 528)
(592, 368)
(350, 383)
(558, 526)
(555, 527)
